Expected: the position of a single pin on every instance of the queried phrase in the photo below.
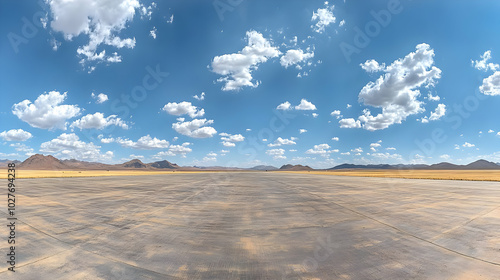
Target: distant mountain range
(41, 162)
(477, 165)
(217, 168)
(5, 162)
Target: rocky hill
(264, 167)
(41, 162)
(135, 163)
(298, 167)
(164, 164)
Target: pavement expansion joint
(398, 229)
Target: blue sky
(276, 82)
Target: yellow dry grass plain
(465, 175)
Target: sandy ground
(241, 225)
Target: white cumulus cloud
(349, 123)
(237, 67)
(107, 140)
(374, 146)
(322, 150)
(336, 114)
(171, 19)
(101, 21)
(357, 150)
(292, 57)
(147, 11)
(305, 105)
(468, 145)
(200, 97)
(23, 148)
(436, 115)
(431, 97)
(276, 153)
(144, 143)
(98, 121)
(323, 18)
(210, 157)
(152, 32)
(46, 112)
(284, 106)
(280, 141)
(483, 64)
(445, 156)
(175, 150)
(491, 85)
(100, 98)
(386, 156)
(372, 66)
(229, 140)
(182, 108)
(396, 91)
(17, 135)
(196, 128)
(69, 146)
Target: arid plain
(256, 225)
(466, 175)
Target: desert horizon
(40, 161)
(39, 166)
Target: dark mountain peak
(444, 165)
(298, 167)
(358, 166)
(482, 164)
(164, 164)
(39, 161)
(41, 157)
(264, 167)
(286, 166)
(135, 163)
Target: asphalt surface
(254, 226)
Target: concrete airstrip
(254, 225)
